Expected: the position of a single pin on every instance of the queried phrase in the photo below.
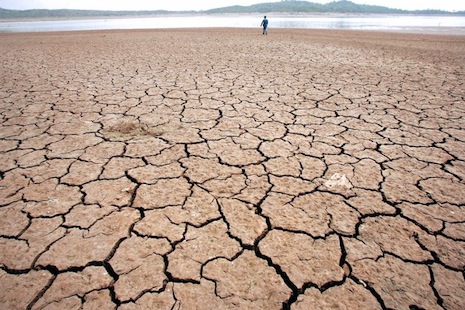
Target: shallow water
(378, 22)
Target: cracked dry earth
(220, 169)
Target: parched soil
(223, 169)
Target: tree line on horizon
(296, 7)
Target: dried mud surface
(220, 169)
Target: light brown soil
(220, 169)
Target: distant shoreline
(282, 7)
(200, 14)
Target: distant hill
(307, 7)
(342, 6)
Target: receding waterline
(379, 22)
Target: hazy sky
(178, 5)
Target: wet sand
(220, 169)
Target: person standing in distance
(264, 24)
